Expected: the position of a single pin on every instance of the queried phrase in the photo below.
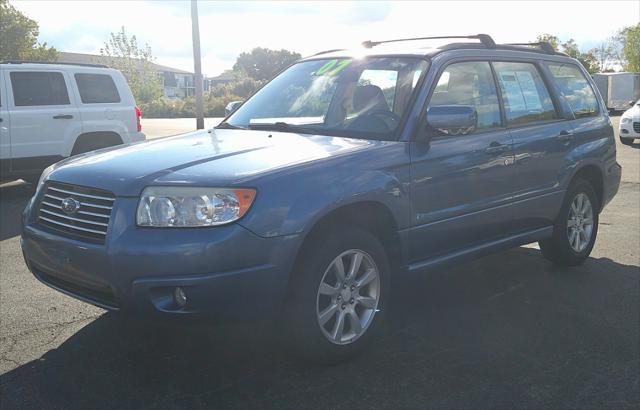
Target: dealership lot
(507, 330)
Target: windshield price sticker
(332, 68)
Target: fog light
(625, 131)
(180, 297)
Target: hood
(633, 112)
(217, 157)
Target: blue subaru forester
(349, 168)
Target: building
(176, 83)
(228, 76)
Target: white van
(50, 111)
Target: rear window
(97, 88)
(575, 88)
(526, 98)
(38, 88)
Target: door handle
(565, 136)
(63, 117)
(496, 148)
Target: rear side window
(38, 88)
(575, 89)
(526, 98)
(470, 83)
(97, 88)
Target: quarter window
(575, 88)
(525, 96)
(97, 88)
(469, 83)
(38, 88)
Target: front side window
(363, 98)
(575, 88)
(38, 88)
(470, 83)
(525, 96)
(97, 88)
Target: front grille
(89, 222)
(636, 126)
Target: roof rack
(327, 51)
(542, 45)
(485, 39)
(51, 62)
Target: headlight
(626, 120)
(185, 207)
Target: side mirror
(452, 119)
(231, 107)
(631, 103)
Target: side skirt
(477, 251)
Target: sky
(229, 28)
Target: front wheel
(576, 227)
(338, 295)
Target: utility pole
(195, 35)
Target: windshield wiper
(281, 126)
(227, 126)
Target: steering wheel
(375, 121)
(385, 113)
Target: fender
(70, 139)
(296, 200)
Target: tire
(626, 141)
(561, 249)
(308, 306)
(97, 141)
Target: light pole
(195, 34)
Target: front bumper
(226, 272)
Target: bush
(214, 101)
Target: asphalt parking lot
(509, 330)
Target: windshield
(362, 98)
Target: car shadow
(509, 330)
(14, 197)
(635, 145)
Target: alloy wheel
(580, 222)
(348, 296)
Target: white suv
(51, 111)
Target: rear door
(462, 184)
(591, 121)
(103, 108)
(44, 118)
(542, 136)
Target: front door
(44, 117)
(462, 184)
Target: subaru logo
(70, 206)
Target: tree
(263, 64)
(603, 54)
(19, 37)
(123, 53)
(628, 41)
(570, 47)
(548, 38)
(588, 59)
